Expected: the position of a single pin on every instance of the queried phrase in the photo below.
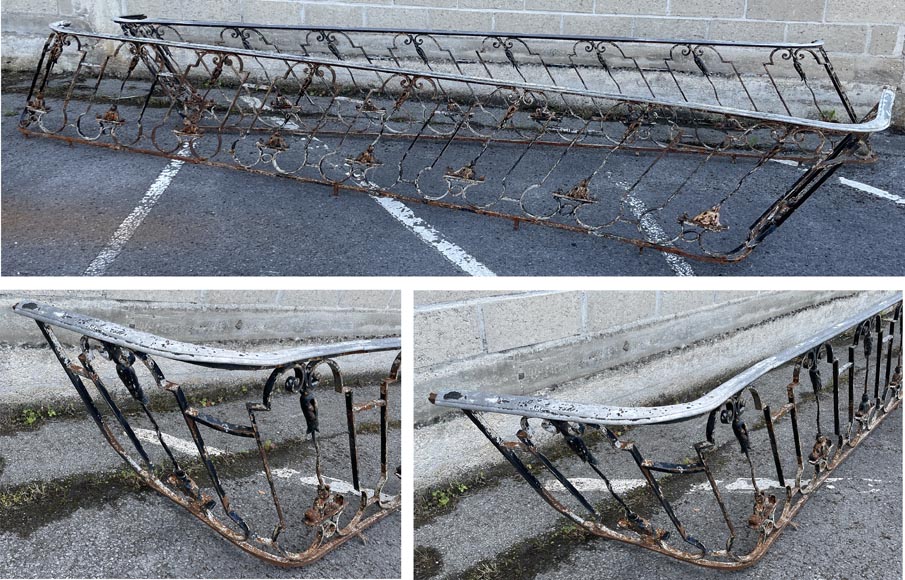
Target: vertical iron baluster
(879, 361)
(793, 416)
(768, 419)
(353, 448)
(836, 427)
(889, 351)
(522, 435)
(851, 388)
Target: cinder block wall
(214, 315)
(521, 342)
(865, 39)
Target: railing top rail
(558, 410)
(143, 19)
(148, 343)
(880, 121)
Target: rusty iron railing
(663, 144)
(756, 425)
(330, 518)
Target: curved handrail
(559, 410)
(209, 356)
(879, 122)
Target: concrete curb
(229, 316)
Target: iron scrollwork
(196, 483)
(569, 132)
(773, 429)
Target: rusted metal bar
(597, 135)
(767, 444)
(328, 522)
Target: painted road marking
(462, 259)
(873, 190)
(654, 233)
(336, 485)
(188, 448)
(133, 221)
(586, 484)
(175, 443)
(786, 162)
(594, 484)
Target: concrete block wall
(219, 315)
(521, 342)
(866, 39)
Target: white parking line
(336, 485)
(785, 162)
(742, 484)
(126, 230)
(654, 233)
(872, 190)
(462, 259)
(174, 443)
(875, 191)
(594, 484)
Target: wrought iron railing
(340, 508)
(753, 427)
(662, 144)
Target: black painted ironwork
(780, 441)
(331, 518)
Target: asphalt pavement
(64, 205)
